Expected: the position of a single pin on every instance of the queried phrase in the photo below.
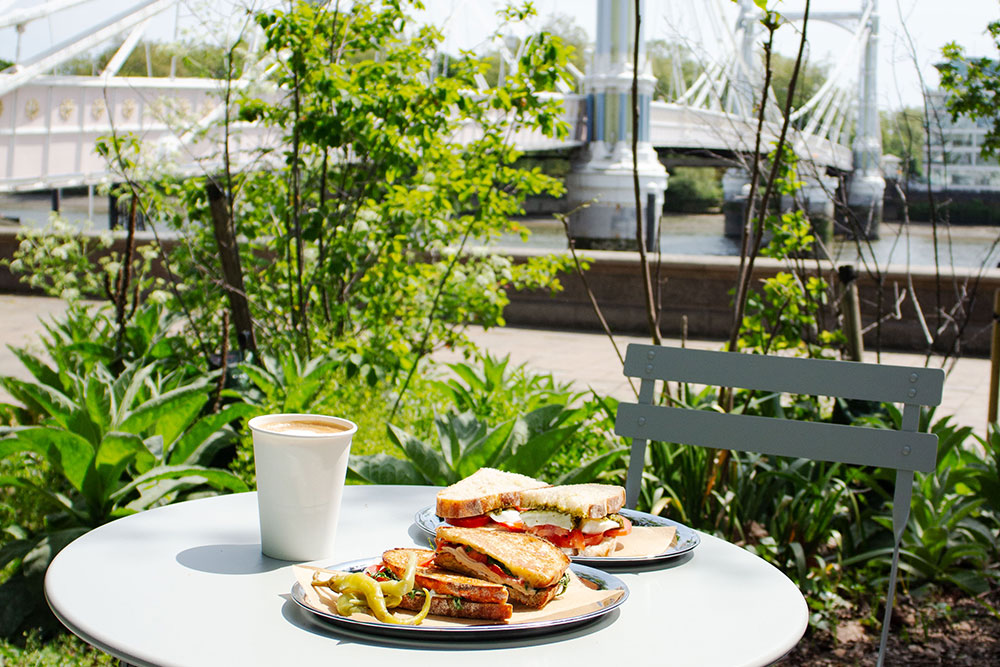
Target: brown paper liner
(645, 541)
(578, 599)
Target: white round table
(187, 585)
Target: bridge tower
(600, 188)
(866, 186)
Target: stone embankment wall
(698, 287)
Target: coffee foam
(304, 426)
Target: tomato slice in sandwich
(618, 532)
(470, 521)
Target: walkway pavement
(587, 359)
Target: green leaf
(531, 457)
(42, 372)
(191, 446)
(428, 462)
(49, 400)
(97, 400)
(57, 501)
(456, 432)
(384, 469)
(220, 480)
(117, 450)
(484, 451)
(181, 415)
(266, 382)
(126, 389)
(591, 470)
(38, 559)
(14, 550)
(67, 452)
(165, 406)
(19, 597)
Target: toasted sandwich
(467, 502)
(454, 595)
(532, 569)
(580, 519)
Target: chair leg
(633, 479)
(900, 513)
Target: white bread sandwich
(580, 519)
(532, 569)
(454, 595)
(467, 502)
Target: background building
(955, 162)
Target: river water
(958, 246)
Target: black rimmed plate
(687, 538)
(487, 631)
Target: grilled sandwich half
(532, 569)
(455, 595)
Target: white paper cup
(300, 481)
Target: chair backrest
(905, 450)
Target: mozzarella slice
(511, 517)
(594, 526)
(547, 518)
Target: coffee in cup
(301, 462)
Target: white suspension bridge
(50, 123)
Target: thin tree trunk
(652, 316)
(232, 271)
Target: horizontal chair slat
(844, 379)
(779, 437)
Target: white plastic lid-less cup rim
(300, 482)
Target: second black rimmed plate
(687, 538)
(486, 631)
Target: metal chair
(905, 450)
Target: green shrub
(693, 190)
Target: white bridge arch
(49, 124)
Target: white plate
(488, 631)
(687, 539)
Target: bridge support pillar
(816, 200)
(867, 186)
(600, 187)
(864, 206)
(735, 194)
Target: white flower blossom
(159, 296)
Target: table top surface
(187, 585)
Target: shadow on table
(651, 566)
(228, 559)
(295, 615)
(420, 537)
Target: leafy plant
(946, 541)
(112, 446)
(490, 388)
(983, 478)
(464, 444)
(290, 384)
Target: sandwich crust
(442, 581)
(538, 562)
(483, 491)
(591, 501)
(447, 606)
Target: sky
(930, 23)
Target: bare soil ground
(947, 629)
